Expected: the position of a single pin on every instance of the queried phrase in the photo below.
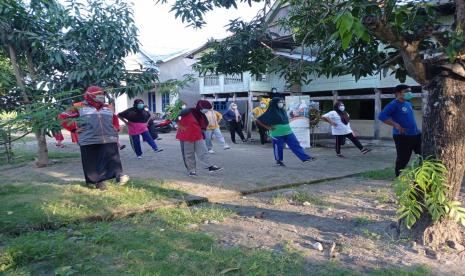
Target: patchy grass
(362, 220)
(278, 200)
(24, 156)
(385, 174)
(410, 271)
(302, 197)
(27, 206)
(142, 245)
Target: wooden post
(335, 94)
(249, 114)
(376, 122)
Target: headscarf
(199, 116)
(274, 115)
(343, 114)
(235, 111)
(90, 94)
(135, 115)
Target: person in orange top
(257, 112)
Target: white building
(172, 66)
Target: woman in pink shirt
(136, 119)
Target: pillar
(376, 122)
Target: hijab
(235, 111)
(274, 115)
(90, 95)
(134, 114)
(199, 116)
(343, 114)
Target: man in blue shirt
(399, 115)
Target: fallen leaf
(229, 270)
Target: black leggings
(340, 140)
(405, 144)
(235, 127)
(263, 135)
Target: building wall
(176, 69)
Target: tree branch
(409, 51)
(18, 75)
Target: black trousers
(263, 135)
(340, 140)
(405, 144)
(101, 162)
(236, 127)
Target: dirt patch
(355, 214)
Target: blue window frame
(219, 106)
(152, 104)
(165, 101)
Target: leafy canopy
(357, 37)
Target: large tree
(421, 39)
(55, 51)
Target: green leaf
(346, 39)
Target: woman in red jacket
(190, 133)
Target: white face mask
(233, 106)
(204, 110)
(262, 105)
(342, 108)
(183, 106)
(100, 98)
(280, 105)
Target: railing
(211, 81)
(233, 79)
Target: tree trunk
(42, 150)
(444, 139)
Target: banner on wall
(298, 111)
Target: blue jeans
(292, 142)
(214, 133)
(136, 142)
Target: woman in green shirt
(276, 121)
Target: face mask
(280, 105)
(204, 110)
(100, 98)
(140, 106)
(408, 95)
(342, 108)
(262, 105)
(233, 106)
(183, 106)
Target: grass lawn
(155, 243)
(29, 206)
(24, 156)
(385, 174)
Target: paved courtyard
(247, 167)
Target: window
(261, 77)
(165, 101)
(233, 79)
(211, 81)
(219, 106)
(152, 104)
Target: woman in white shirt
(340, 128)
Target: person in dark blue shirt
(399, 114)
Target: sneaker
(158, 139)
(311, 159)
(340, 156)
(139, 157)
(211, 151)
(101, 186)
(192, 174)
(122, 179)
(244, 141)
(214, 169)
(365, 151)
(280, 163)
(158, 150)
(226, 147)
